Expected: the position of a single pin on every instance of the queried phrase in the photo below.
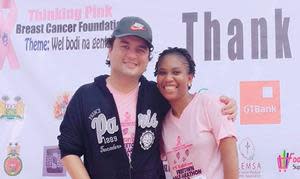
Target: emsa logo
(260, 102)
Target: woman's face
(173, 77)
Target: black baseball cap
(136, 26)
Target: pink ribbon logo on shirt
(6, 27)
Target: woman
(197, 140)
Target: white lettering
(102, 125)
(145, 120)
(259, 109)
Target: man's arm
(229, 157)
(75, 167)
(230, 108)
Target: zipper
(130, 168)
(122, 139)
(136, 129)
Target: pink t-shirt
(126, 105)
(191, 142)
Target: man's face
(129, 57)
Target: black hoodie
(91, 128)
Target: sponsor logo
(6, 27)
(247, 149)
(52, 165)
(11, 110)
(13, 163)
(60, 105)
(286, 159)
(263, 105)
(248, 166)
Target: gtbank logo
(260, 102)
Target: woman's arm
(229, 157)
(75, 167)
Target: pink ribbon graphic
(6, 26)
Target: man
(115, 122)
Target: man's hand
(230, 108)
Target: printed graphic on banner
(52, 165)
(213, 49)
(11, 110)
(248, 166)
(50, 21)
(13, 163)
(60, 105)
(288, 160)
(8, 16)
(260, 102)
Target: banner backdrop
(245, 49)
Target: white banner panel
(245, 49)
